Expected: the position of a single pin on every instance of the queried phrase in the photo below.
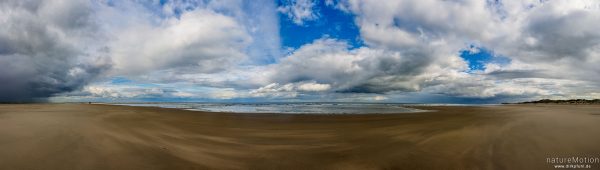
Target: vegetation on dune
(570, 101)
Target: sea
(292, 108)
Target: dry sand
(81, 136)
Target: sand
(82, 136)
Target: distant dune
(84, 136)
(570, 101)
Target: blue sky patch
(478, 57)
(332, 23)
(119, 80)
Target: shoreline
(417, 108)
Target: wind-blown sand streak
(81, 136)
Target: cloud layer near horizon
(231, 50)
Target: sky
(396, 51)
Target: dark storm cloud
(40, 54)
(513, 74)
(563, 36)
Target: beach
(96, 136)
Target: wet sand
(82, 136)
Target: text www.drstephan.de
(582, 166)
